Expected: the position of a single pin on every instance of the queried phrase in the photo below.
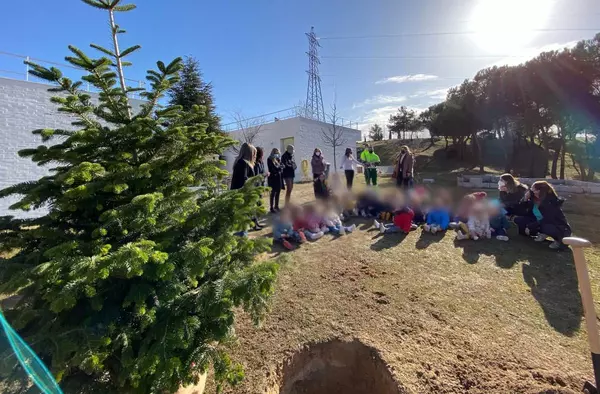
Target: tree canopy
(551, 101)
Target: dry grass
(447, 317)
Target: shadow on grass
(426, 239)
(550, 275)
(552, 278)
(506, 254)
(387, 241)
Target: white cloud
(436, 94)
(408, 78)
(380, 99)
(381, 116)
(529, 53)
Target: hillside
(434, 160)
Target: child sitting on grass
(464, 208)
(334, 223)
(402, 222)
(304, 221)
(438, 218)
(499, 223)
(283, 230)
(478, 225)
(418, 197)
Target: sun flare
(505, 26)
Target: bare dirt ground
(446, 317)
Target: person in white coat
(349, 164)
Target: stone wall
(560, 185)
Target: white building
(305, 134)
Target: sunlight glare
(505, 26)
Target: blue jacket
(499, 221)
(439, 216)
(280, 229)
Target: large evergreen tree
(191, 90)
(130, 279)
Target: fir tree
(129, 282)
(191, 90)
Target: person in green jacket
(370, 160)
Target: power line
(453, 33)
(34, 59)
(428, 57)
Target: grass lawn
(447, 317)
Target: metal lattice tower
(314, 97)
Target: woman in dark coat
(405, 168)
(244, 169)
(275, 179)
(544, 215)
(318, 169)
(243, 166)
(289, 171)
(511, 194)
(259, 164)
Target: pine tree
(191, 90)
(376, 133)
(130, 281)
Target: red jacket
(403, 219)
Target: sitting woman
(544, 215)
(511, 193)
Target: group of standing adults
(281, 170)
(279, 173)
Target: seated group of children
(476, 217)
(296, 224)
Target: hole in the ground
(336, 367)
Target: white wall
(307, 135)
(24, 107)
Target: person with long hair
(289, 171)
(259, 164)
(545, 217)
(244, 168)
(511, 193)
(275, 179)
(319, 166)
(405, 168)
(348, 165)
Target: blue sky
(254, 51)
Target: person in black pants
(244, 169)
(544, 215)
(289, 171)
(275, 179)
(319, 166)
(348, 165)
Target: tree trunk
(555, 163)
(562, 160)
(445, 138)
(389, 134)
(334, 159)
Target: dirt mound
(335, 367)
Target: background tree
(549, 105)
(130, 280)
(376, 133)
(334, 136)
(248, 129)
(401, 122)
(191, 90)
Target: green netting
(21, 369)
